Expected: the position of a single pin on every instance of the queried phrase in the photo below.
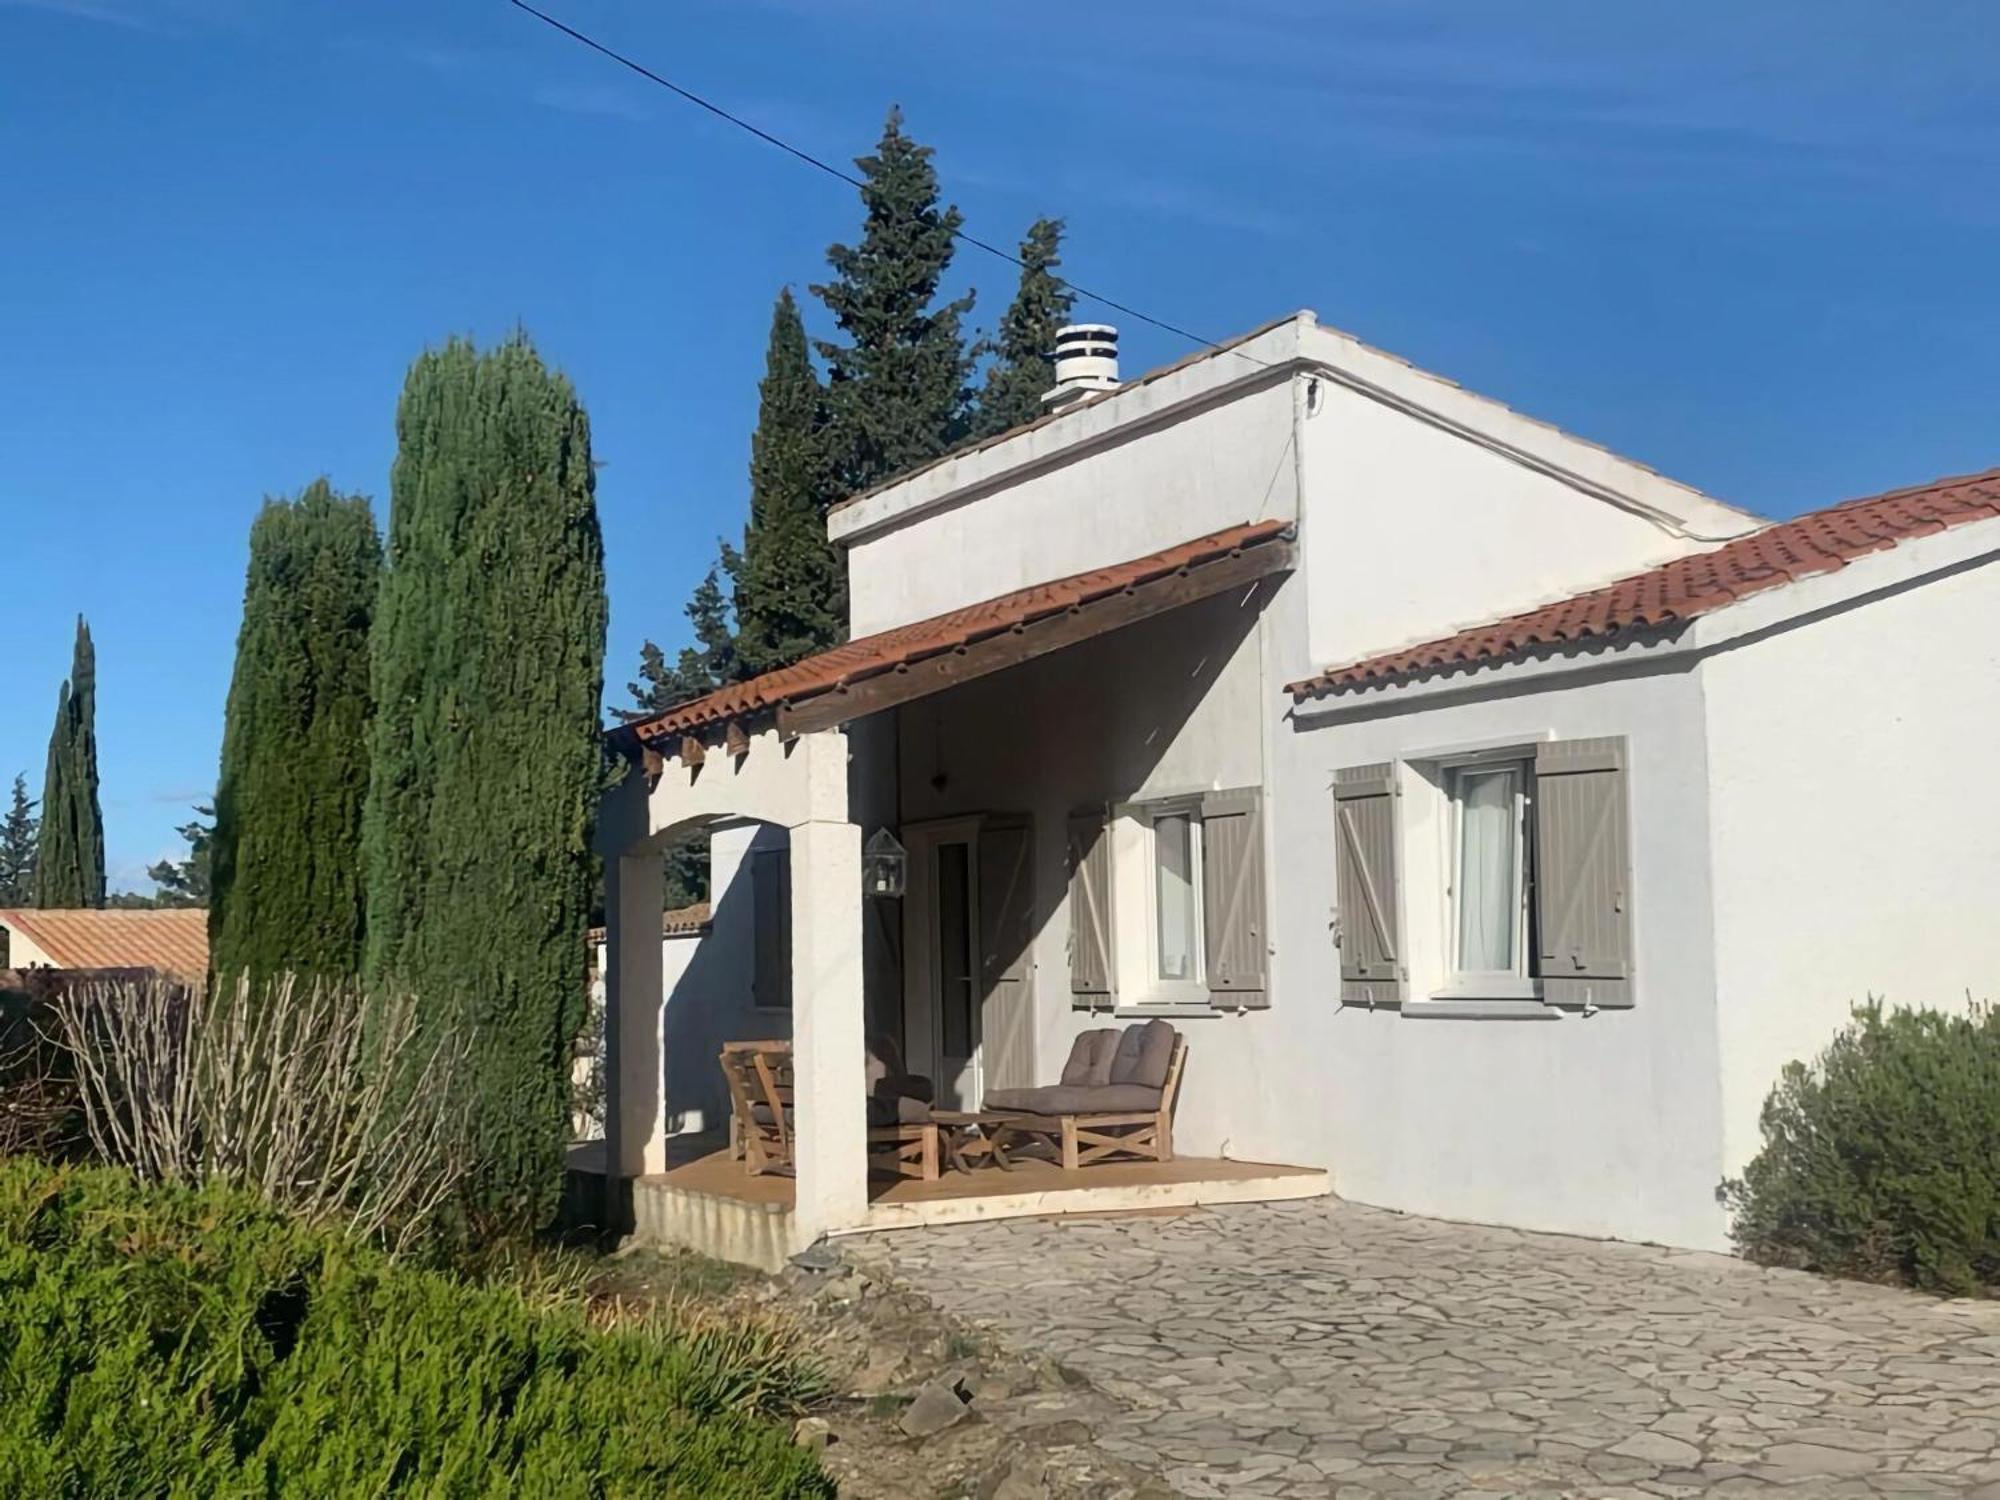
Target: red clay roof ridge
(1690, 586)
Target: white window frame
(1136, 870)
(1520, 982)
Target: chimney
(1086, 362)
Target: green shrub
(161, 1340)
(1881, 1159)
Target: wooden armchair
(902, 1138)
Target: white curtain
(1486, 863)
(1173, 878)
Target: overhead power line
(822, 165)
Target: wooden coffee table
(970, 1136)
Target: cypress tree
(486, 764)
(897, 380)
(69, 860)
(1024, 365)
(791, 587)
(17, 848)
(285, 855)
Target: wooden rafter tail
(692, 752)
(655, 765)
(735, 738)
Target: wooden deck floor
(706, 1168)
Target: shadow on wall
(712, 981)
(1142, 710)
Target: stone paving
(1324, 1349)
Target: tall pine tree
(285, 855)
(69, 858)
(791, 586)
(1023, 365)
(488, 663)
(17, 848)
(701, 668)
(897, 377)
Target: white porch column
(829, 1044)
(635, 1115)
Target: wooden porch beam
(1024, 643)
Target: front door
(955, 971)
(941, 978)
(969, 913)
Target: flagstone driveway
(1321, 1348)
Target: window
(1177, 895)
(1174, 847)
(1486, 882)
(1491, 873)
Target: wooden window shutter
(1235, 933)
(1090, 972)
(1365, 866)
(771, 918)
(1583, 883)
(1006, 959)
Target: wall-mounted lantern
(885, 865)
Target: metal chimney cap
(1086, 361)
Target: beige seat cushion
(1075, 1099)
(1090, 1057)
(1143, 1055)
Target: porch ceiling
(912, 661)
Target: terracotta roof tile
(857, 660)
(680, 921)
(173, 941)
(1781, 553)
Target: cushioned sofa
(1115, 1097)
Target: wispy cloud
(1166, 199)
(103, 13)
(607, 100)
(434, 57)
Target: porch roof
(878, 671)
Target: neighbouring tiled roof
(857, 660)
(173, 941)
(682, 921)
(1817, 542)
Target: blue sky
(1752, 245)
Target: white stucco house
(1492, 815)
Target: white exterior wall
(1602, 1125)
(1196, 470)
(24, 953)
(1421, 507)
(1413, 533)
(1857, 818)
